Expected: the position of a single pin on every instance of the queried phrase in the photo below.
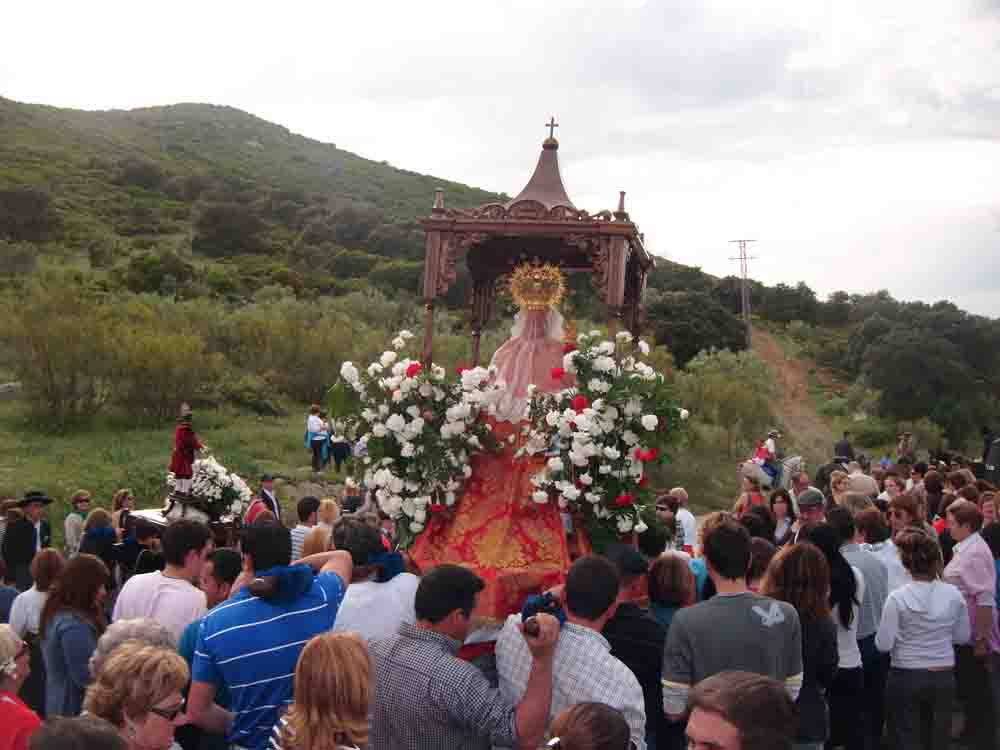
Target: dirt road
(808, 432)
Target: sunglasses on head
(168, 713)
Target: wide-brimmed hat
(34, 496)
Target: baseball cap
(811, 498)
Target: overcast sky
(857, 141)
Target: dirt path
(808, 432)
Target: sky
(858, 142)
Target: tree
(27, 215)
(226, 229)
(836, 311)
(690, 322)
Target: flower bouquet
(420, 428)
(216, 491)
(603, 434)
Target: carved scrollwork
(454, 247)
(527, 209)
(600, 258)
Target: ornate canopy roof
(539, 222)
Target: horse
(789, 467)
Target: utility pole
(744, 260)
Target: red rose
(459, 370)
(580, 403)
(558, 373)
(644, 481)
(653, 454)
(413, 369)
(624, 500)
(568, 347)
(438, 508)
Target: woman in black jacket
(800, 575)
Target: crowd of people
(860, 613)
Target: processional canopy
(540, 225)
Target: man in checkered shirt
(428, 698)
(584, 669)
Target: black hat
(34, 496)
(266, 478)
(627, 559)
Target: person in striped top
(251, 643)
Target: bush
(140, 172)
(834, 407)
(147, 272)
(27, 215)
(253, 393)
(874, 433)
(60, 347)
(225, 229)
(17, 258)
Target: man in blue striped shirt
(251, 643)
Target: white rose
(552, 418)
(586, 479)
(592, 497)
(540, 497)
(649, 421)
(643, 347)
(416, 527)
(405, 335)
(379, 430)
(387, 358)
(396, 423)
(624, 524)
(606, 347)
(349, 372)
(420, 515)
(604, 469)
(623, 337)
(570, 493)
(578, 459)
(555, 464)
(569, 362)
(604, 364)
(613, 453)
(398, 343)
(374, 369)
(407, 450)
(640, 527)
(684, 414)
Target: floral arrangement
(420, 428)
(615, 419)
(215, 490)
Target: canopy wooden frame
(541, 222)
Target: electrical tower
(744, 260)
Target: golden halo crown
(537, 286)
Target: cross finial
(552, 125)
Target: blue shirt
(251, 645)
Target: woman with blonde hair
(317, 540)
(138, 691)
(73, 525)
(18, 722)
(840, 485)
(333, 690)
(328, 513)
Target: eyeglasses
(168, 713)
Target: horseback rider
(772, 464)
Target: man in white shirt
(584, 669)
(171, 596)
(381, 595)
(308, 510)
(687, 526)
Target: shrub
(140, 172)
(17, 258)
(27, 214)
(225, 229)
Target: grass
(114, 453)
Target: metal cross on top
(552, 125)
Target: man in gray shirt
(735, 629)
(874, 662)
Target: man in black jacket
(843, 448)
(27, 536)
(636, 639)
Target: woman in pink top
(971, 569)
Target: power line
(744, 260)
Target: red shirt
(18, 721)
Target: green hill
(213, 180)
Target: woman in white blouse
(921, 622)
